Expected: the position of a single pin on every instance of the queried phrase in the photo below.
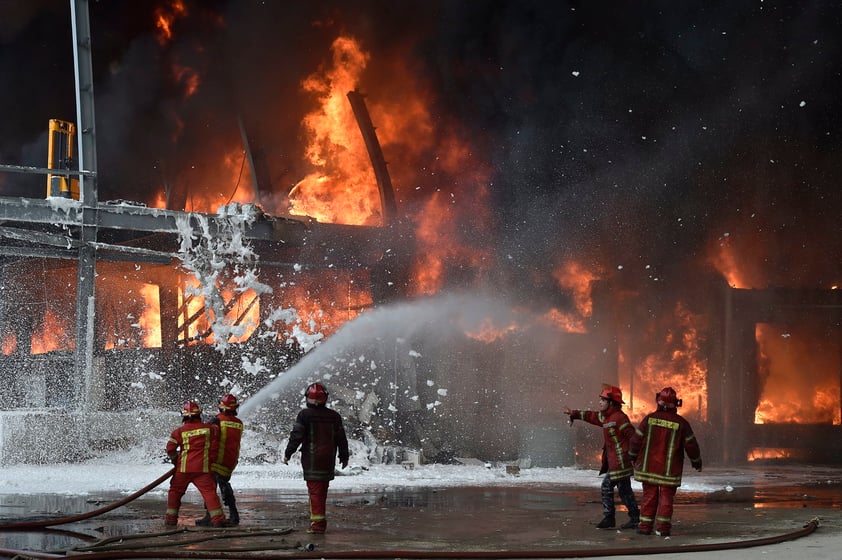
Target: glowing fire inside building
(757, 365)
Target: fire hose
(307, 553)
(23, 525)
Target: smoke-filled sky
(627, 135)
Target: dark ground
(536, 521)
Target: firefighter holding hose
(192, 447)
(617, 467)
(318, 430)
(230, 436)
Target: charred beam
(381, 171)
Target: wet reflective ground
(522, 518)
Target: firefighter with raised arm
(658, 447)
(319, 432)
(617, 430)
(230, 436)
(192, 447)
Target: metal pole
(85, 297)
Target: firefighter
(658, 447)
(192, 448)
(230, 435)
(617, 467)
(318, 430)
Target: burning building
(633, 236)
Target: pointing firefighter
(230, 435)
(617, 430)
(318, 430)
(658, 447)
(192, 448)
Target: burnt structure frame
(87, 231)
(734, 395)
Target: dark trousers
(624, 490)
(225, 490)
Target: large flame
(801, 376)
(342, 187)
(798, 364)
(681, 364)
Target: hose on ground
(306, 554)
(23, 525)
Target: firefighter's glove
(697, 465)
(174, 459)
(572, 414)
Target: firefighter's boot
(205, 521)
(233, 515)
(627, 496)
(171, 520)
(632, 523)
(607, 522)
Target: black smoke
(628, 136)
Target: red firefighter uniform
(319, 432)
(192, 448)
(230, 436)
(658, 447)
(617, 429)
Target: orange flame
(574, 278)
(188, 77)
(760, 453)
(49, 337)
(787, 359)
(9, 344)
(150, 320)
(234, 174)
(342, 189)
(164, 19)
(439, 236)
(682, 366)
(488, 332)
(784, 357)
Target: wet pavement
(540, 520)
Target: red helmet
(228, 402)
(316, 394)
(667, 398)
(612, 394)
(190, 408)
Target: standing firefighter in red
(192, 448)
(318, 430)
(230, 436)
(658, 449)
(617, 430)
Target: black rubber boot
(606, 523)
(627, 496)
(205, 521)
(632, 523)
(234, 516)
